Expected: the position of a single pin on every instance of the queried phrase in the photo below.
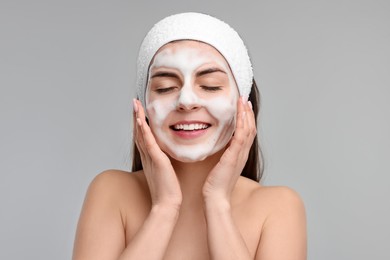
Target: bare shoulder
(103, 219)
(273, 197)
(117, 181)
(126, 191)
(283, 220)
(114, 177)
(112, 192)
(279, 197)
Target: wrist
(218, 205)
(165, 211)
(170, 203)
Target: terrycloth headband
(199, 27)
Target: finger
(249, 131)
(238, 139)
(135, 109)
(242, 119)
(240, 115)
(140, 110)
(135, 126)
(251, 120)
(239, 146)
(139, 138)
(149, 142)
(137, 129)
(241, 143)
(147, 136)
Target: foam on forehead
(199, 27)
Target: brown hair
(254, 166)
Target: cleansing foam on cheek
(159, 110)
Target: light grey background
(67, 78)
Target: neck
(192, 176)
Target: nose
(187, 100)
(187, 107)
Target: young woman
(194, 192)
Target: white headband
(199, 27)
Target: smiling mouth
(190, 127)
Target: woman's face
(191, 100)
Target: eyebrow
(208, 71)
(198, 74)
(165, 74)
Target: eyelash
(211, 88)
(206, 88)
(164, 90)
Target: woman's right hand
(162, 181)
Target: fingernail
(250, 104)
(135, 106)
(139, 122)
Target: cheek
(158, 111)
(223, 108)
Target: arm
(284, 231)
(165, 193)
(152, 239)
(101, 228)
(101, 231)
(224, 238)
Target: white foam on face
(221, 107)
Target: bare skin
(198, 210)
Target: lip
(189, 134)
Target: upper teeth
(190, 126)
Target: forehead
(196, 48)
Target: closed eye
(164, 90)
(211, 88)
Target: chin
(188, 159)
(191, 156)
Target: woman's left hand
(223, 177)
